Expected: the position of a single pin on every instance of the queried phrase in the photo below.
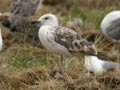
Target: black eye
(46, 18)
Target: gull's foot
(57, 74)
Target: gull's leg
(59, 74)
(63, 63)
(59, 63)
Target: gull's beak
(91, 48)
(40, 22)
(35, 22)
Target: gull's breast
(46, 37)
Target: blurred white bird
(110, 25)
(61, 40)
(98, 66)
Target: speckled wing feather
(25, 7)
(68, 38)
(114, 29)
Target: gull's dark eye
(46, 18)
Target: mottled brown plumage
(25, 7)
(22, 29)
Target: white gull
(61, 40)
(110, 25)
(98, 66)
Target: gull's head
(48, 19)
(89, 47)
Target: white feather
(47, 39)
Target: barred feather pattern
(68, 38)
(25, 7)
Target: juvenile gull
(110, 25)
(61, 40)
(98, 66)
(22, 29)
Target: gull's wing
(113, 31)
(25, 7)
(67, 38)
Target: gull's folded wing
(113, 31)
(25, 7)
(67, 37)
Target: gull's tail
(111, 65)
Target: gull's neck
(50, 25)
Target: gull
(22, 29)
(20, 9)
(98, 66)
(61, 40)
(110, 26)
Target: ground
(24, 67)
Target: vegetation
(24, 67)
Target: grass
(23, 67)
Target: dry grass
(23, 67)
